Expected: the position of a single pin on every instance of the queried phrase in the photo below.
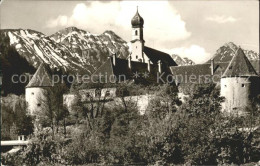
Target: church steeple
(137, 21)
(137, 26)
(137, 37)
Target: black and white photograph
(150, 82)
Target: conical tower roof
(41, 78)
(239, 66)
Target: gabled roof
(42, 77)
(239, 66)
(155, 56)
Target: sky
(193, 29)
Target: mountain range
(227, 51)
(77, 51)
(71, 49)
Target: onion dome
(137, 21)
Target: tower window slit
(136, 33)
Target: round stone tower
(239, 84)
(37, 89)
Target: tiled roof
(121, 69)
(42, 77)
(199, 74)
(256, 65)
(239, 66)
(155, 56)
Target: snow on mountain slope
(227, 51)
(72, 49)
(36, 47)
(91, 49)
(182, 61)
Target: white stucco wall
(69, 100)
(137, 51)
(34, 98)
(141, 101)
(236, 91)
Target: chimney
(129, 62)
(149, 65)
(160, 66)
(114, 59)
(212, 66)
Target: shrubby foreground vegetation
(170, 132)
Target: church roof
(121, 69)
(198, 74)
(41, 78)
(239, 66)
(137, 20)
(155, 56)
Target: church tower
(137, 38)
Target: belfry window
(136, 33)
(243, 85)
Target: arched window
(136, 32)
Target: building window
(38, 104)
(87, 95)
(243, 85)
(136, 33)
(225, 86)
(98, 93)
(32, 93)
(107, 93)
(136, 57)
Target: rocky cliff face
(226, 52)
(73, 50)
(182, 61)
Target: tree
(52, 111)
(14, 116)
